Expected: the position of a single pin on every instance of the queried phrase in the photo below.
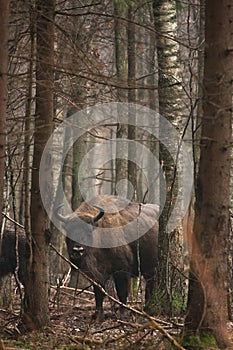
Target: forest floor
(73, 327)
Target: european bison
(130, 240)
(8, 260)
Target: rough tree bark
(27, 130)
(132, 171)
(121, 71)
(4, 34)
(207, 304)
(36, 289)
(168, 283)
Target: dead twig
(122, 336)
(85, 340)
(66, 290)
(153, 321)
(2, 346)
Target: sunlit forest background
(59, 58)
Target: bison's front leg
(99, 298)
(122, 283)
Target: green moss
(199, 342)
(178, 303)
(157, 305)
(209, 340)
(135, 286)
(192, 342)
(160, 305)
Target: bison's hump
(118, 211)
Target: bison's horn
(58, 215)
(100, 214)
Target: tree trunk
(36, 289)
(170, 106)
(207, 304)
(132, 173)
(27, 133)
(4, 34)
(121, 185)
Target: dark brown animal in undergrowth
(8, 257)
(120, 241)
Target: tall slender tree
(170, 107)
(120, 11)
(27, 129)
(131, 35)
(36, 289)
(4, 35)
(207, 304)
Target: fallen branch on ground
(153, 321)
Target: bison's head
(76, 252)
(79, 227)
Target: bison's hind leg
(150, 283)
(149, 292)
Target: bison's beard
(97, 269)
(101, 264)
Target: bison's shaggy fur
(8, 257)
(131, 253)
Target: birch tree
(170, 107)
